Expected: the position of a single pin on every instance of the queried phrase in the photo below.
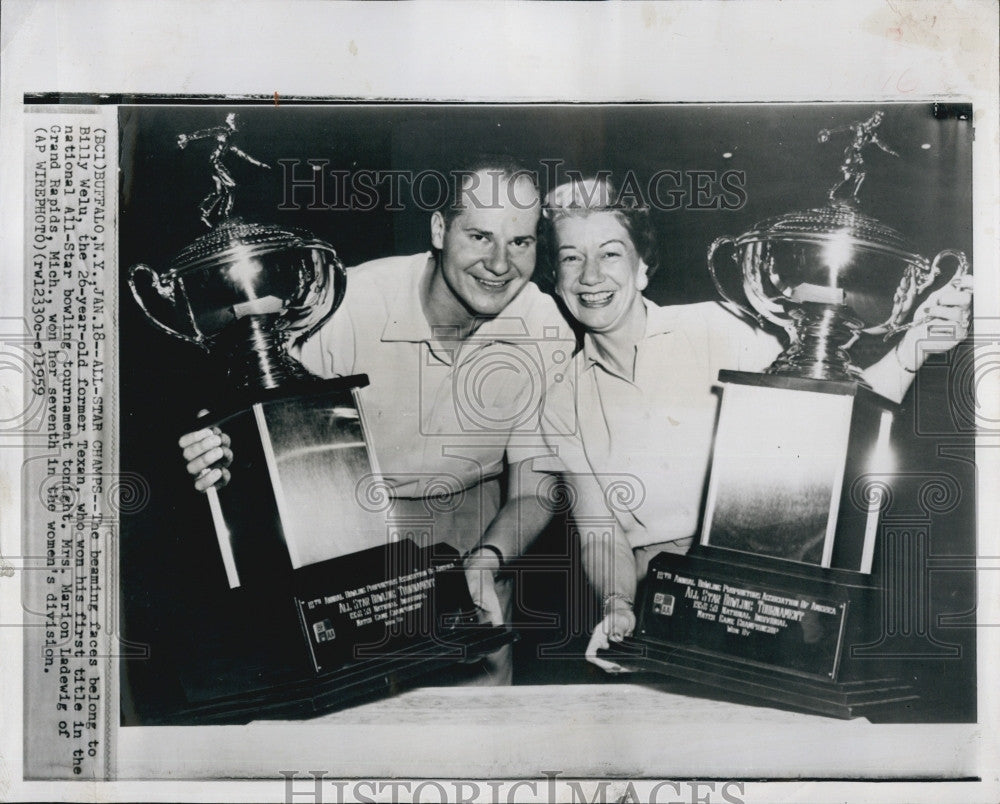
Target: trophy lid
(240, 270)
(236, 240)
(836, 221)
(840, 222)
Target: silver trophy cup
(826, 276)
(241, 291)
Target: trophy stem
(255, 357)
(819, 350)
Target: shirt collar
(659, 321)
(406, 320)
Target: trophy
(325, 601)
(780, 589)
(829, 275)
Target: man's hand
(209, 456)
(615, 626)
(480, 568)
(940, 323)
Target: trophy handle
(302, 321)
(731, 303)
(920, 284)
(332, 294)
(164, 294)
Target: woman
(640, 401)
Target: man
(458, 345)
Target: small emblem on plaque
(663, 604)
(324, 631)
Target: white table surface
(591, 730)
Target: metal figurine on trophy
(864, 134)
(780, 586)
(324, 604)
(219, 202)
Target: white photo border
(658, 52)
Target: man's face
(488, 249)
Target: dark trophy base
(780, 590)
(318, 600)
(762, 629)
(333, 635)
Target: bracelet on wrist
(613, 598)
(902, 365)
(492, 549)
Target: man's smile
(493, 284)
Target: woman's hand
(616, 625)
(480, 568)
(940, 323)
(209, 456)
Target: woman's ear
(437, 230)
(642, 275)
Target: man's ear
(642, 275)
(438, 226)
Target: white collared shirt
(648, 441)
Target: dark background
(170, 566)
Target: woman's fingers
(484, 596)
(619, 624)
(943, 321)
(951, 302)
(612, 628)
(939, 316)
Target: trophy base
(304, 485)
(764, 629)
(297, 698)
(317, 601)
(791, 469)
(844, 700)
(329, 636)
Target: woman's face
(600, 273)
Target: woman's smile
(596, 299)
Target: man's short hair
(498, 166)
